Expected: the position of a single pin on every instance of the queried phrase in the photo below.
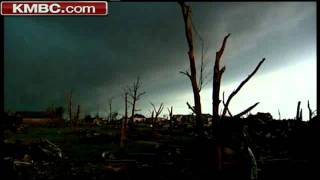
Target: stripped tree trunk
(152, 120)
(69, 105)
(310, 111)
(124, 122)
(217, 74)
(299, 112)
(77, 115)
(110, 109)
(186, 11)
(126, 111)
(171, 118)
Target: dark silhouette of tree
(124, 121)
(186, 12)
(217, 74)
(156, 112)
(311, 113)
(110, 109)
(299, 112)
(170, 111)
(77, 116)
(69, 106)
(135, 94)
(88, 118)
(59, 111)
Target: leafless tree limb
(299, 113)
(158, 110)
(190, 107)
(246, 111)
(240, 86)
(224, 104)
(202, 68)
(186, 73)
(310, 111)
(220, 52)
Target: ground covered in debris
(282, 149)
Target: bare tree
(170, 111)
(152, 118)
(299, 112)
(216, 100)
(156, 112)
(217, 74)
(279, 114)
(186, 11)
(110, 108)
(69, 106)
(77, 116)
(135, 94)
(124, 121)
(310, 111)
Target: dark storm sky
(97, 56)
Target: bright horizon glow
(281, 89)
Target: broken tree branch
(224, 104)
(246, 111)
(201, 80)
(310, 111)
(298, 117)
(157, 111)
(190, 107)
(220, 52)
(240, 86)
(186, 73)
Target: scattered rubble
(271, 142)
